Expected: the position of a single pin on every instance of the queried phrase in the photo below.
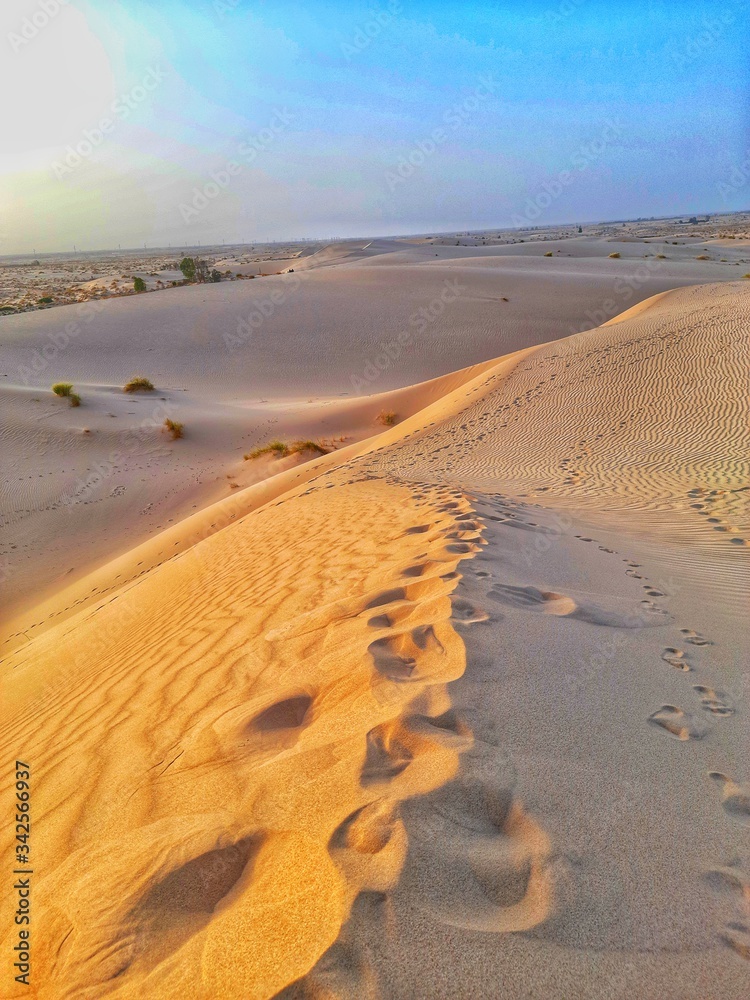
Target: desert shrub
(174, 428)
(387, 418)
(746, 275)
(703, 256)
(75, 399)
(6, 310)
(548, 254)
(215, 275)
(139, 383)
(614, 255)
(661, 256)
(139, 285)
(45, 300)
(187, 266)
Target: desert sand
(357, 322)
(458, 709)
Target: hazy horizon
(240, 122)
(357, 236)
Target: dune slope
(463, 705)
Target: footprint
(675, 658)
(178, 906)
(694, 637)
(466, 613)
(420, 569)
(715, 702)
(386, 757)
(731, 879)
(734, 798)
(395, 615)
(737, 936)
(288, 714)
(677, 723)
(562, 605)
(416, 655)
(529, 597)
(476, 859)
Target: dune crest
(252, 763)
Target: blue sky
(242, 120)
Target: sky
(156, 122)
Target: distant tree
(201, 270)
(139, 285)
(580, 229)
(187, 266)
(215, 275)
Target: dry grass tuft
(174, 428)
(279, 449)
(139, 383)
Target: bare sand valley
(458, 708)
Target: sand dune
(459, 705)
(363, 324)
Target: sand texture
(457, 710)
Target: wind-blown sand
(459, 710)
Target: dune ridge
(304, 756)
